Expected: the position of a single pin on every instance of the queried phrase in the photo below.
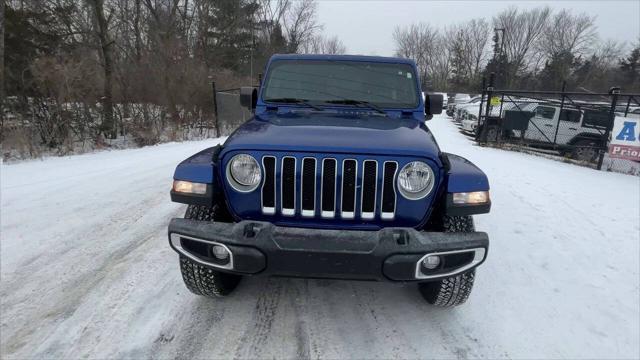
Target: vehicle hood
(335, 133)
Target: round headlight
(415, 180)
(245, 170)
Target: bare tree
(568, 33)
(1, 65)
(523, 30)
(334, 46)
(301, 23)
(106, 46)
(440, 65)
(323, 45)
(270, 15)
(476, 37)
(417, 42)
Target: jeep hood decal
(334, 133)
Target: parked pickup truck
(335, 176)
(564, 130)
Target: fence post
(555, 136)
(492, 78)
(215, 108)
(614, 91)
(482, 91)
(626, 110)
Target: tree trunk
(1, 68)
(108, 124)
(136, 28)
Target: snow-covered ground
(86, 271)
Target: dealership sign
(625, 139)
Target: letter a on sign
(628, 132)
(625, 139)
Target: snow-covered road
(86, 271)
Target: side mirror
(248, 97)
(433, 104)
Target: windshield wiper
(357, 102)
(296, 101)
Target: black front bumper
(388, 254)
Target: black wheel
(455, 290)
(199, 279)
(448, 292)
(492, 134)
(585, 150)
(202, 280)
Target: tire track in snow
(297, 301)
(257, 332)
(191, 330)
(65, 294)
(387, 325)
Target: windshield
(381, 84)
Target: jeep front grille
(329, 188)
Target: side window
(570, 115)
(545, 112)
(636, 111)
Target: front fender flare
(463, 176)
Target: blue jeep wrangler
(335, 176)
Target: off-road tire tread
(458, 224)
(205, 213)
(449, 292)
(584, 144)
(455, 290)
(200, 279)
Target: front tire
(585, 150)
(448, 292)
(199, 279)
(202, 280)
(493, 134)
(455, 290)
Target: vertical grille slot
(269, 185)
(308, 185)
(328, 188)
(288, 186)
(369, 180)
(388, 206)
(349, 176)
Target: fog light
(431, 262)
(220, 252)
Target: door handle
(573, 128)
(548, 125)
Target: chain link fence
(572, 126)
(230, 113)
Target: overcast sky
(366, 27)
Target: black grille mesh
(308, 184)
(349, 186)
(329, 185)
(268, 193)
(369, 179)
(388, 193)
(288, 183)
